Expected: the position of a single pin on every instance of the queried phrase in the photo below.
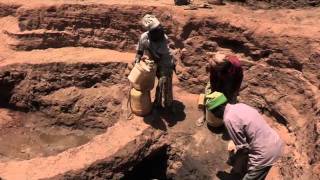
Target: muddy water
(206, 155)
(26, 136)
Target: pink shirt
(248, 129)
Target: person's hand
(136, 60)
(174, 66)
(130, 66)
(231, 147)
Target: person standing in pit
(223, 68)
(154, 43)
(252, 137)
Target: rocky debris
(311, 69)
(84, 108)
(202, 38)
(194, 58)
(8, 81)
(8, 9)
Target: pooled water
(22, 138)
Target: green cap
(215, 99)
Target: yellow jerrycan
(140, 102)
(142, 76)
(201, 101)
(212, 120)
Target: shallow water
(21, 137)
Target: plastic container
(140, 102)
(212, 120)
(142, 76)
(201, 101)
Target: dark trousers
(164, 90)
(239, 163)
(257, 174)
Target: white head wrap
(219, 57)
(150, 21)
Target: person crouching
(225, 75)
(251, 135)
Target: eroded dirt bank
(280, 58)
(279, 3)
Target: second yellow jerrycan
(212, 120)
(140, 102)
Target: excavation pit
(42, 121)
(75, 114)
(64, 89)
(66, 108)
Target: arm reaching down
(140, 48)
(138, 56)
(237, 135)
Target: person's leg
(168, 92)
(158, 97)
(257, 174)
(239, 162)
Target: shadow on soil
(237, 162)
(223, 175)
(220, 130)
(160, 118)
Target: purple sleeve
(237, 134)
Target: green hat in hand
(215, 99)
